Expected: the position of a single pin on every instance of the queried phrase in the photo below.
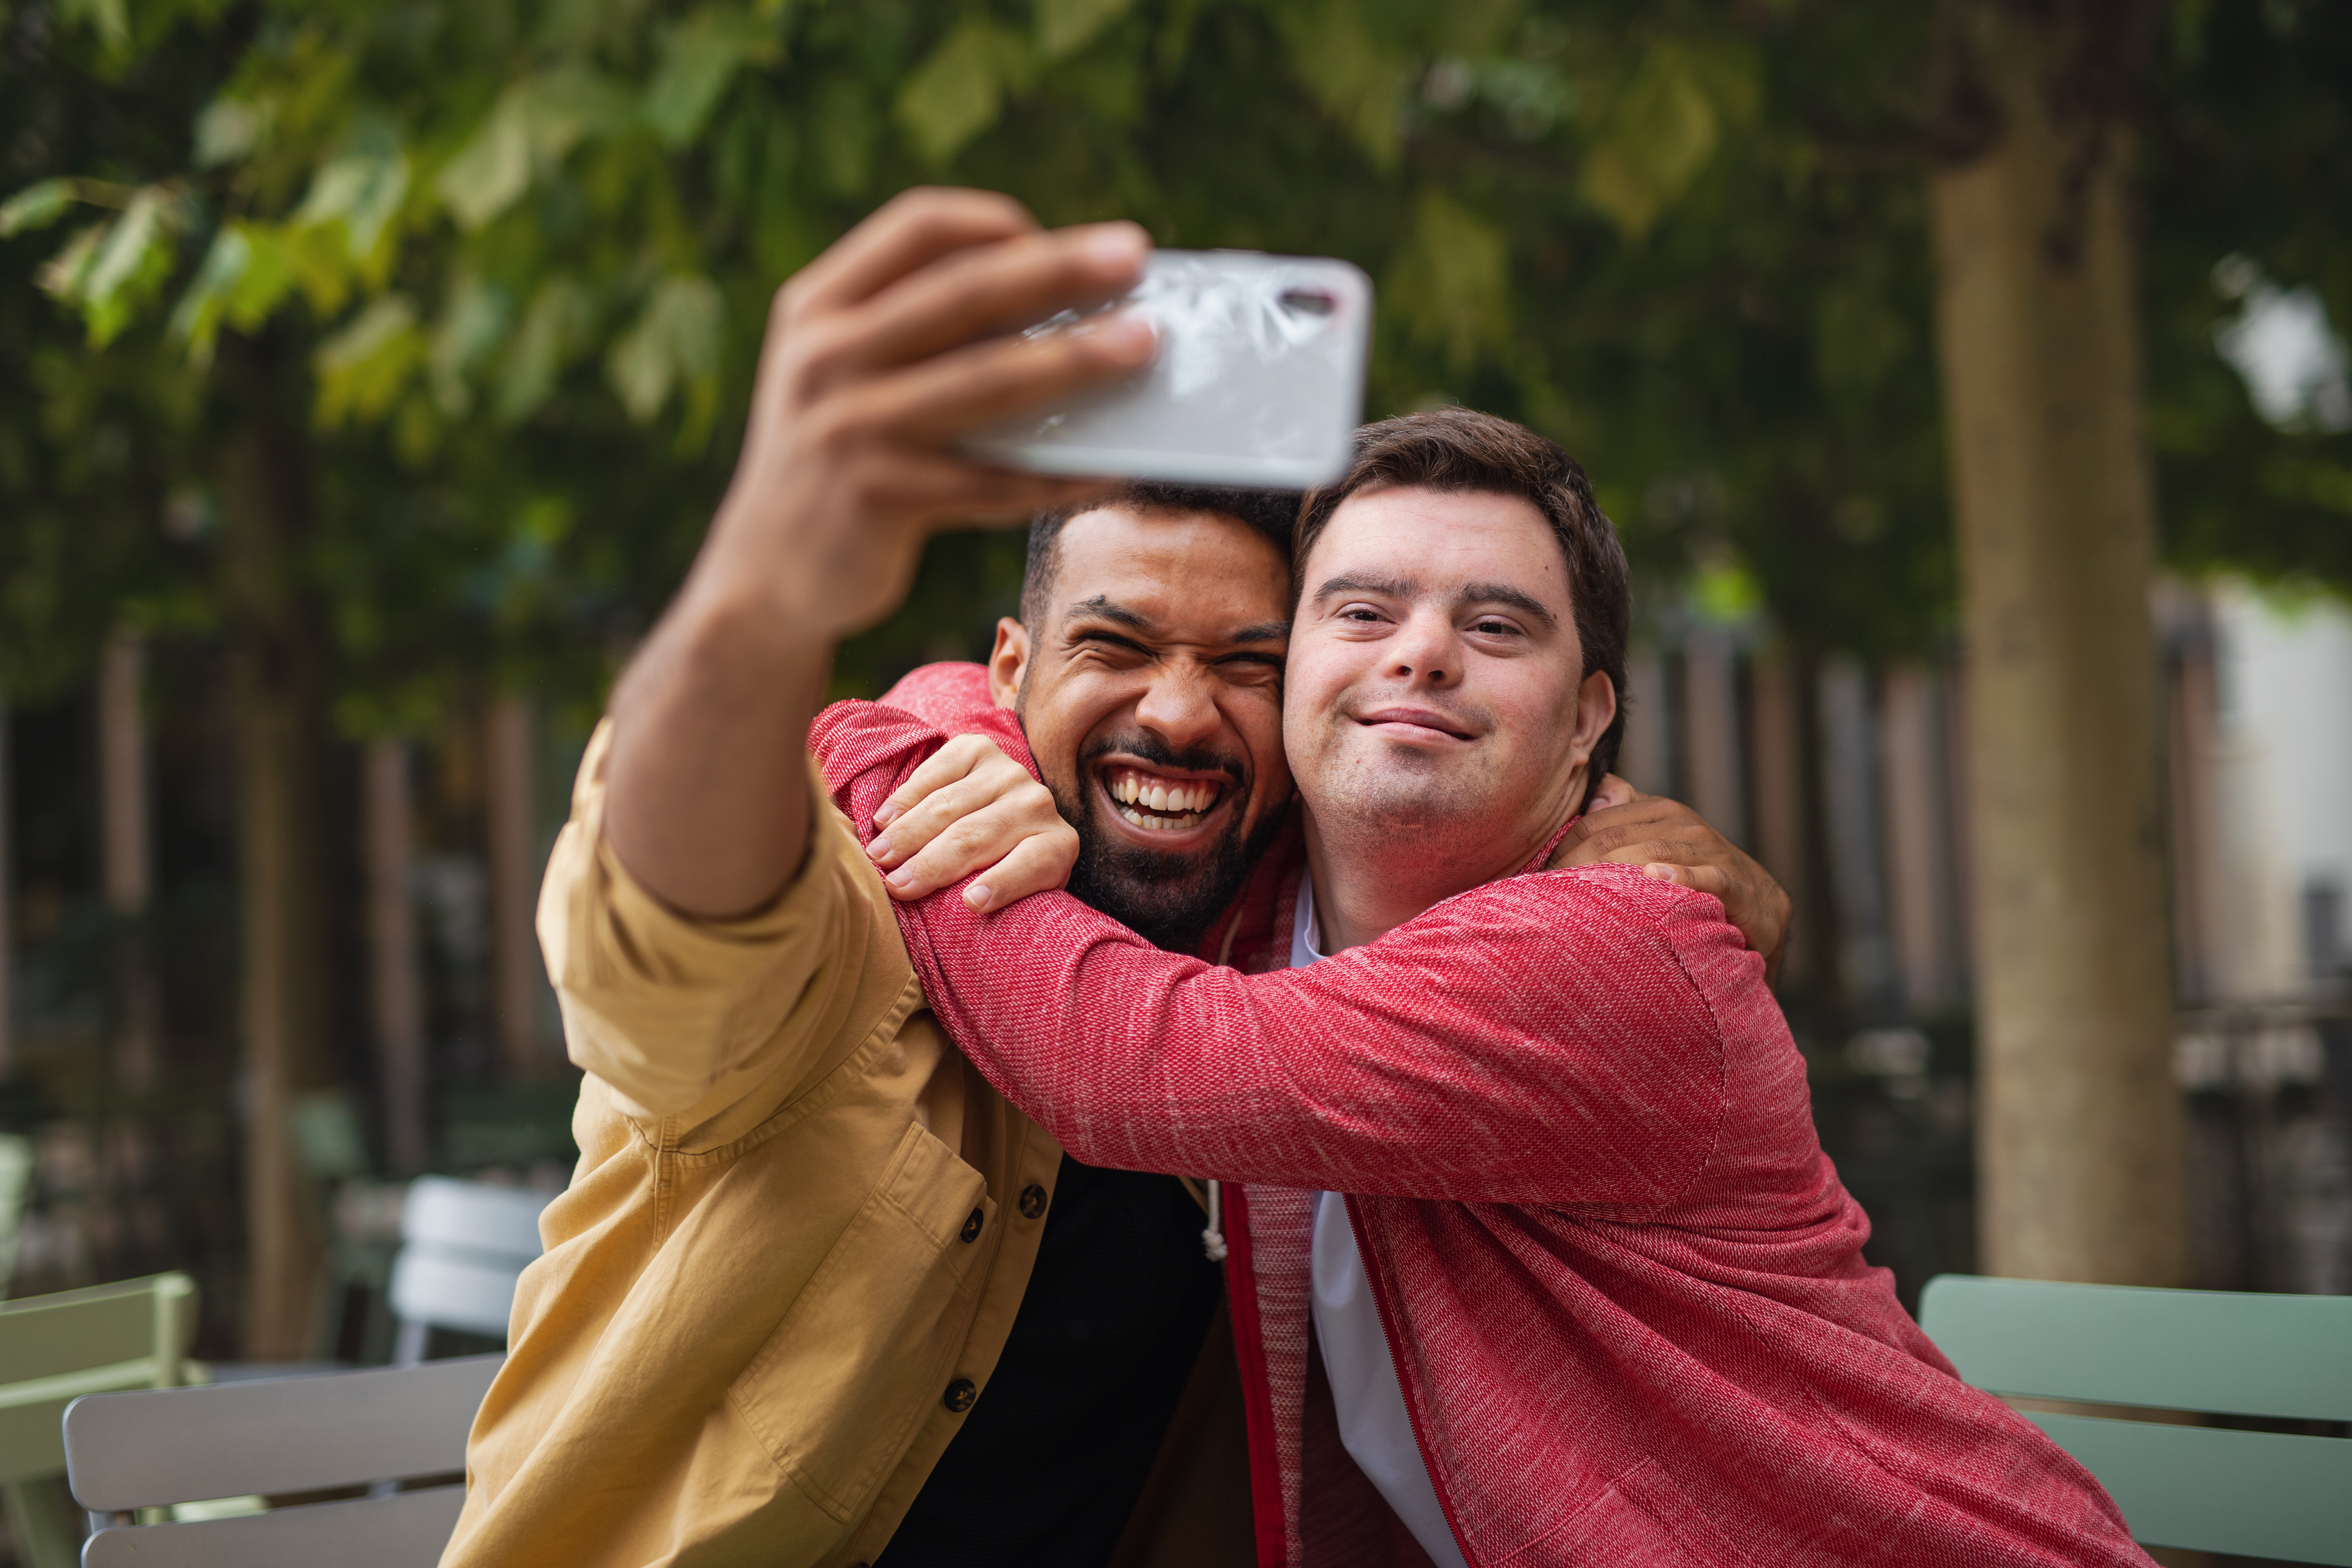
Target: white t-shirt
(1373, 1426)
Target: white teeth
(1157, 822)
(1157, 803)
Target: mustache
(1150, 748)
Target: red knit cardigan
(1622, 1284)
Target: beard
(1166, 897)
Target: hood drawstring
(1213, 1240)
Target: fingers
(1610, 824)
(968, 844)
(1611, 836)
(970, 807)
(1614, 792)
(952, 762)
(952, 393)
(987, 290)
(1701, 879)
(950, 803)
(1759, 910)
(909, 231)
(988, 838)
(1634, 851)
(939, 487)
(1041, 864)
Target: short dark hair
(1271, 514)
(1459, 449)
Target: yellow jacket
(800, 1225)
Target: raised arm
(880, 355)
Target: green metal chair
(15, 1184)
(55, 1349)
(2208, 1488)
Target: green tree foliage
(2249, 158)
(514, 256)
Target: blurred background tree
(379, 362)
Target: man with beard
(803, 1236)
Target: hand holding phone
(1258, 381)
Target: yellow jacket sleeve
(678, 1016)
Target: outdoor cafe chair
(128, 1452)
(463, 1244)
(55, 1349)
(15, 1186)
(2214, 1352)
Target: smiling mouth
(1414, 719)
(1157, 802)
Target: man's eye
(1360, 614)
(1495, 628)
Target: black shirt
(1051, 1459)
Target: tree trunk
(514, 887)
(280, 852)
(2079, 1125)
(128, 862)
(396, 989)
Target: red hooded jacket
(1623, 1286)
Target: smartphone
(1259, 380)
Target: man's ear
(1008, 662)
(1596, 710)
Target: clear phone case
(1259, 379)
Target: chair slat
(51, 1336)
(2251, 1494)
(2217, 1351)
(128, 1451)
(406, 1529)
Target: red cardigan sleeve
(1537, 1040)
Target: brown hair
(1458, 450)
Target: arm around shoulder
(1537, 1040)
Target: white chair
(463, 1244)
(125, 1452)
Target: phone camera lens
(1309, 301)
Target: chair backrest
(463, 1245)
(15, 1185)
(129, 1451)
(55, 1349)
(2256, 1494)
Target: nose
(1178, 709)
(1424, 652)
